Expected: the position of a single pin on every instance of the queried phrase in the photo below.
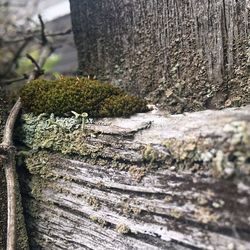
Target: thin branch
(43, 36)
(38, 71)
(63, 33)
(37, 67)
(15, 58)
(10, 81)
(35, 35)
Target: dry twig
(19, 79)
(35, 35)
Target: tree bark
(194, 49)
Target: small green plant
(81, 95)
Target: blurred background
(19, 34)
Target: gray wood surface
(148, 182)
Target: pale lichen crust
(227, 156)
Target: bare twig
(38, 71)
(33, 61)
(15, 58)
(43, 36)
(10, 81)
(35, 35)
(63, 33)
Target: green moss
(64, 95)
(122, 105)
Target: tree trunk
(196, 50)
(148, 182)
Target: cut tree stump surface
(151, 181)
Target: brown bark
(196, 49)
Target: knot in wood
(6, 151)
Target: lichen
(168, 199)
(38, 165)
(176, 213)
(206, 215)
(150, 154)
(94, 202)
(98, 220)
(234, 157)
(59, 134)
(67, 94)
(225, 157)
(122, 229)
(137, 173)
(131, 209)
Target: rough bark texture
(147, 182)
(185, 55)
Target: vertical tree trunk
(194, 49)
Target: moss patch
(64, 95)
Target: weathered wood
(147, 182)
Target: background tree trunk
(196, 50)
